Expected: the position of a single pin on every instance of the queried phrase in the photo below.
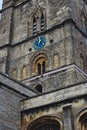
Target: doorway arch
(45, 123)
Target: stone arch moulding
(39, 60)
(36, 9)
(44, 120)
(37, 12)
(45, 52)
(79, 116)
(41, 55)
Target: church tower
(44, 43)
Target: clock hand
(39, 40)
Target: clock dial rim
(39, 42)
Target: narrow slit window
(42, 22)
(34, 26)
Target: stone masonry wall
(21, 18)
(57, 80)
(56, 111)
(5, 24)
(62, 45)
(63, 105)
(9, 109)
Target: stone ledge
(54, 97)
(16, 86)
(68, 67)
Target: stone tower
(43, 43)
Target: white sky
(1, 4)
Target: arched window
(45, 124)
(37, 22)
(34, 26)
(41, 66)
(82, 61)
(83, 122)
(39, 88)
(14, 73)
(42, 22)
(24, 72)
(56, 61)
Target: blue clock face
(39, 43)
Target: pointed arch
(37, 22)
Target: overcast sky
(1, 4)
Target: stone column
(67, 117)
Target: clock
(39, 43)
